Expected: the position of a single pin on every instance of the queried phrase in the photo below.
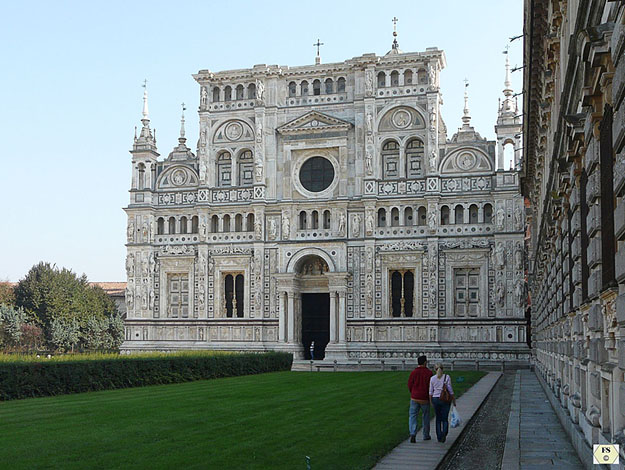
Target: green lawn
(341, 420)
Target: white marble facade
(335, 179)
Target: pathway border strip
(427, 455)
(512, 453)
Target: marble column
(291, 316)
(332, 317)
(282, 317)
(342, 320)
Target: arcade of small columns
(290, 288)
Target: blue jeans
(412, 418)
(442, 417)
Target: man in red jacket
(419, 384)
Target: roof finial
(318, 58)
(507, 84)
(466, 118)
(182, 138)
(395, 43)
(146, 114)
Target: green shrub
(28, 376)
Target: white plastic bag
(455, 417)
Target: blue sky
(70, 95)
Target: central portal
(315, 324)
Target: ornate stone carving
(369, 123)
(286, 227)
(369, 223)
(273, 229)
(177, 250)
(471, 243)
(500, 293)
(259, 131)
(500, 256)
(231, 250)
(401, 245)
(260, 90)
(258, 230)
(519, 287)
(432, 218)
(130, 231)
(356, 220)
(368, 82)
(342, 222)
(518, 218)
(368, 163)
(203, 97)
(130, 265)
(500, 219)
(314, 267)
(433, 165)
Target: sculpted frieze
(479, 243)
(176, 250)
(400, 246)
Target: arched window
(303, 220)
(381, 80)
(238, 223)
(316, 87)
(394, 78)
(195, 223)
(214, 224)
(292, 89)
(246, 168)
(390, 160)
(141, 182)
(226, 223)
(422, 76)
(340, 85)
(251, 91)
(444, 215)
(314, 219)
(172, 225)
(508, 156)
(422, 215)
(459, 214)
(238, 292)
(239, 92)
(408, 216)
(488, 214)
(408, 293)
(160, 226)
(304, 88)
(396, 293)
(229, 295)
(228, 93)
(224, 169)
(402, 293)
(414, 158)
(408, 77)
(329, 86)
(382, 217)
(473, 214)
(183, 224)
(394, 217)
(249, 225)
(216, 93)
(326, 219)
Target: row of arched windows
(405, 77)
(174, 225)
(410, 217)
(466, 215)
(229, 93)
(239, 174)
(317, 87)
(310, 220)
(398, 165)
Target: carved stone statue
(356, 225)
(500, 218)
(342, 221)
(259, 131)
(500, 256)
(518, 257)
(201, 263)
(273, 229)
(151, 298)
(152, 262)
(368, 163)
(145, 231)
(129, 297)
(432, 74)
(500, 294)
(203, 97)
(369, 123)
(146, 265)
(518, 218)
(260, 89)
(144, 297)
(286, 227)
(369, 82)
(258, 230)
(202, 169)
(518, 292)
(130, 265)
(130, 232)
(370, 223)
(432, 219)
(203, 228)
(259, 167)
(433, 160)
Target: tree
(7, 293)
(64, 333)
(12, 321)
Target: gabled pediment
(314, 122)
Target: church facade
(327, 204)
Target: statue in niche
(342, 221)
(518, 292)
(500, 218)
(260, 89)
(432, 74)
(259, 131)
(356, 225)
(518, 257)
(433, 120)
(203, 138)
(273, 229)
(201, 296)
(151, 298)
(202, 169)
(211, 266)
(152, 262)
(130, 265)
(368, 163)
(370, 223)
(285, 227)
(432, 218)
(129, 297)
(370, 290)
(500, 256)
(518, 218)
(369, 123)
(433, 160)
(130, 231)
(203, 228)
(500, 293)
(201, 262)
(258, 230)
(259, 167)
(203, 97)
(369, 82)
(146, 231)
(144, 297)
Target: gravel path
(482, 445)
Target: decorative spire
(146, 114)
(182, 138)
(146, 139)
(466, 117)
(507, 84)
(318, 57)
(395, 43)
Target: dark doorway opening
(315, 324)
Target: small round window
(316, 174)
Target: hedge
(26, 378)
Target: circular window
(316, 174)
